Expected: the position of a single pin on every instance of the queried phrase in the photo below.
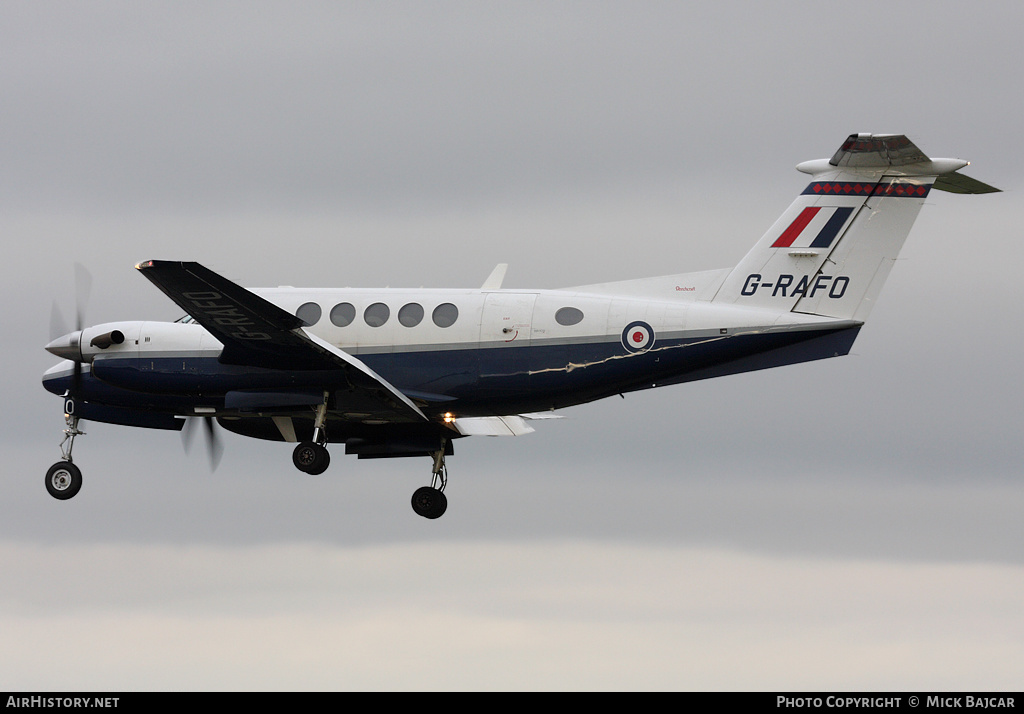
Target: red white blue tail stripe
(815, 227)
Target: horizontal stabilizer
(514, 425)
(958, 183)
(493, 426)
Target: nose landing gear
(64, 479)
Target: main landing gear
(64, 479)
(430, 501)
(312, 457)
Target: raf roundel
(638, 337)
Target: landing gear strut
(64, 479)
(430, 501)
(312, 457)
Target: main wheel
(311, 458)
(63, 480)
(429, 502)
(322, 462)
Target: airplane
(399, 373)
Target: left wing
(257, 333)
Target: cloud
(560, 614)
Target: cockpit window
(186, 320)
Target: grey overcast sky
(849, 524)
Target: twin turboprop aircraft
(392, 373)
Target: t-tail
(832, 249)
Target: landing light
(449, 417)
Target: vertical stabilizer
(832, 249)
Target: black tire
(63, 480)
(429, 502)
(323, 460)
(311, 458)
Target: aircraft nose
(68, 346)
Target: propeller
(59, 327)
(214, 448)
(83, 287)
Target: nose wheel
(63, 480)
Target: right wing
(258, 333)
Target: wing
(258, 333)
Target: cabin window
(343, 314)
(377, 314)
(411, 314)
(569, 316)
(445, 315)
(309, 313)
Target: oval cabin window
(377, 314)
(343, 314)
(569, 316)
(445, 315)
(411, 314)
(309, 313)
